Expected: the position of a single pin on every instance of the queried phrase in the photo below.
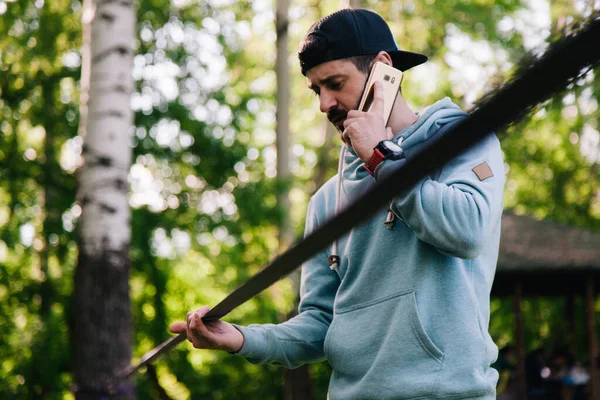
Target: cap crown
(349, 33)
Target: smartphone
(391, 78)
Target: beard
(337, 118)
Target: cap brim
(404, 60)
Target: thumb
(388, 133)
(178, 327)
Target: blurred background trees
(203, 181)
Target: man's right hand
(212, 335)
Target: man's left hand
(366, 129)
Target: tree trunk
(350, 4)
(283, 123)
(297, 381)
(102, 331)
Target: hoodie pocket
(382, 346)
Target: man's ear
(383, 57)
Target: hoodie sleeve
(299, 340)
(456, 211)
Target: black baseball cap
(349, 33)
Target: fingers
(354, 114)
(378, 98)
(201, 312)
(193, 324)
(346, 138)
(194, 319)
(194, 327)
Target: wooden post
(520, 342)
(590, 300)
(570, 317)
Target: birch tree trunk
(102, 330)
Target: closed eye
(336, 85)
(333, 82)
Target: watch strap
(374, 161)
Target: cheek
(352, 102)
(348, 102)
(354, 96)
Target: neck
(402, 116)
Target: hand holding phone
(363, 128)
(391, 79)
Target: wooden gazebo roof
(549, 258)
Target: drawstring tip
(334, 262)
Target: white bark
(105, 224)
(102, 329)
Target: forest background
(203, 184)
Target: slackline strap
(564, 62)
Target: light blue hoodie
(406, 313)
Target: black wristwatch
(385, 150)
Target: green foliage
(38, 113)
(203, 187)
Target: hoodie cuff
(254, 343)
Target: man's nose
(326, 101)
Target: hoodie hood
(431, 121)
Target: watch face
(392, 146)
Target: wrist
(366, 156)
(386, 149)
(237, 342)
(367, 150)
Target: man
(403, 311)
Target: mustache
(334, 115)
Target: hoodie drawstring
(334, 259)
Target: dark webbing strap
(563, 63)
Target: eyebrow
(326, 81)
